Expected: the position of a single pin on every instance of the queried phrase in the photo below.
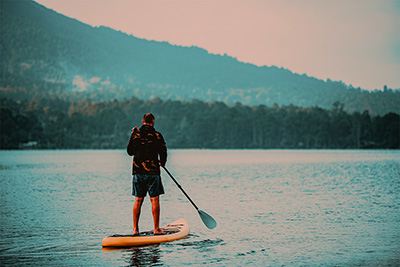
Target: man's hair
(148, 118)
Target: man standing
(147, 146)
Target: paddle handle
(180, 187)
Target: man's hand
(135, 129)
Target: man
(147, 146)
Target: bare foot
(159, 232)
(135, 232)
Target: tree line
(53, 123)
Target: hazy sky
(355, 41)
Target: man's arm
(162, 151)
(133, 141)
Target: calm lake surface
(273, 208)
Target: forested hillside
(45, 54)
(59, 124)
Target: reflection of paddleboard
(174, 231)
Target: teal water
(273, 208)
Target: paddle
(207, 219)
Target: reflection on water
(139, 256)
(273, 208)
(146, 256)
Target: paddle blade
(207, 220)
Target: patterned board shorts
(143, 183)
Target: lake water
(273, 208)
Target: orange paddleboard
(174, 231)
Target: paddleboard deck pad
(174, 231)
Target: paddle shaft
(180, 187)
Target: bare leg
(136, 214)
(155, 208)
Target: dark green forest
(60, 124)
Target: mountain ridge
(69, 59)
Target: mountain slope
(44, 53)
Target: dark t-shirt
(147, 146)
